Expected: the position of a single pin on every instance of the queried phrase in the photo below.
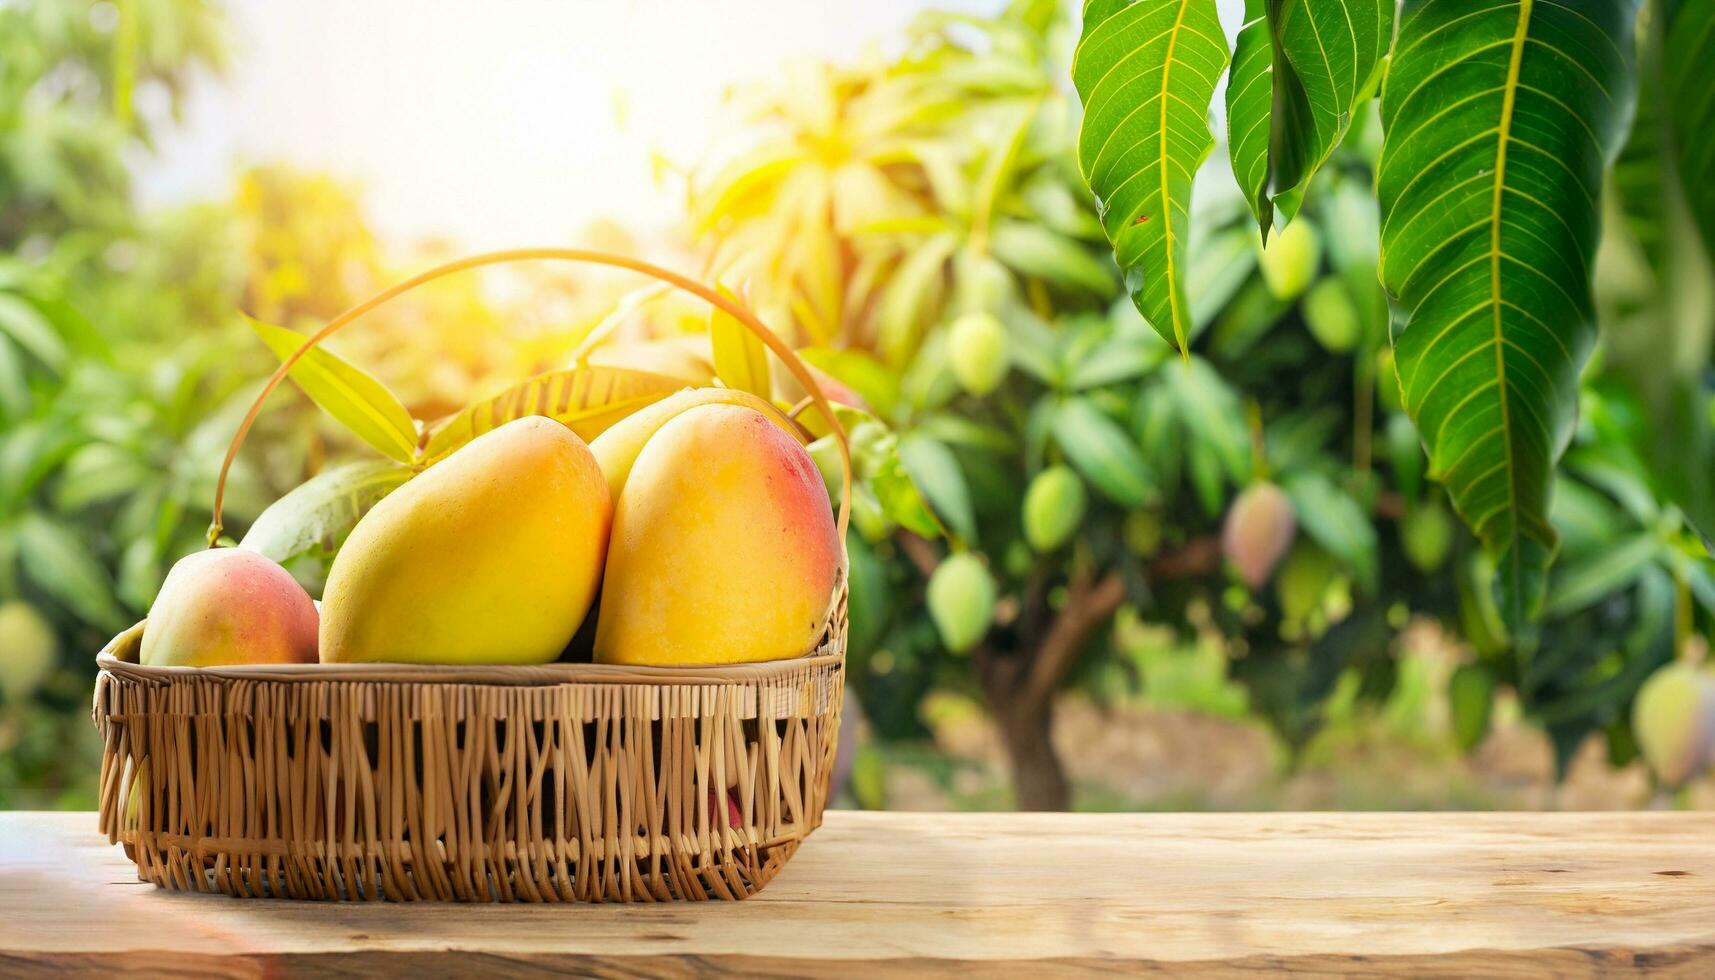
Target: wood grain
(968, 894)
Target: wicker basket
(561, 782)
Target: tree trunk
(1037, 777)
(1020, 685)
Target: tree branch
(1090, 602)
(1087, 607)
(1200, 556)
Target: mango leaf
(1405, 455)
(1470, 698)
(622, 311)
(935, 471)
(860, 370)
(1300, 72)
(901, 312)
(999, 166)
(1645, 176)
(1251, 86)
(32, 331)
(14, 385)
(80, 334)
(740, 359)
(315, 517)
(1221, 263)
(585, 399)
(1100, 449)
(1688, 64)
(29, 453)
(1146, 72)
(899, 498)
(957, 430)
(1334, 520)
(1576, 585)
(61, 565)
(97, 473)
(354, 399)
(1498, 124)
(883, 492)
(1213, 416)
(1115, 360)
(1035, 250)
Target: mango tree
(1222, 434)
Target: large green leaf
(1498, 124)
(1146, 71)
(1300, 71)
(354, 399)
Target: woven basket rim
(112, 660)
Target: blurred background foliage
(1071, 622)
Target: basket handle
(708, 294)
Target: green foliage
(867, 186)
(1489, 182)
(1145, 72)
(357, 401)
(1688, 60)
(1294, 383)
(1654, 286)
(117, 371)
(1103, 452)
(1301, 70)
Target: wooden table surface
(982, 894)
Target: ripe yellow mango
(723, 548)
(229, 606)
(491, 556)
(616, 449)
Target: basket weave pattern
(569, 782)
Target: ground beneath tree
(1139, 758)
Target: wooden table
(990, 894)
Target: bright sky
(496, 123)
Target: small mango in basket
(229, 606)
